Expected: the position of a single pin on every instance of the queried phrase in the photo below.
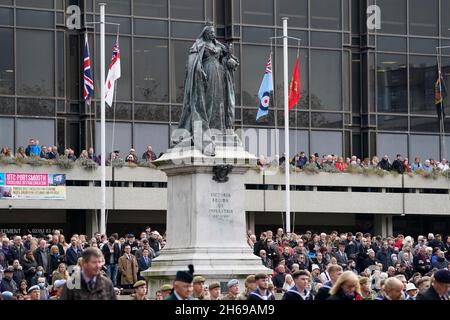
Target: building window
(35, 68)
(326, 14)
(393, 16)
(422, 75)
(296, 11)
(187, 9)
(326, 80)
(258, 12)
(44, 4)
(6, 61)
(424, 17)
(154, 8)
(391, 80)
(151, 70)
(40, 129)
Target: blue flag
(264, 91)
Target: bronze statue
(209, 95)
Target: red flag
(295, 87)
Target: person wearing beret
(166, 290)
(439, 289)
(140, 290)
(199, 294)
(233, 290)
(262, 291)
(214, 290)
(35, 293)
(182, 285)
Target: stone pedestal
(206, 223)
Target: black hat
(185, 276)
(442, 276)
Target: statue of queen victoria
(209, 94)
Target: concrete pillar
(251, 222)
(383, 225)
(91, 223)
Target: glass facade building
(364, 92)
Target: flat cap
(232, 282)
(198, 279)
(139, 283)
(9, 269)
(442, 276)
(214, 285)
(166, 287)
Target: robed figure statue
(209, 94)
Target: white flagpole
(286, 125)
(102, 226)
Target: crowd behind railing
(35, 150)
(334, 163)
(309, 266)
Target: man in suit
(73, 252)
(182, 285)
(300, 291)
(144, 263)
(341, 256)
(440, 287)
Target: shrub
(87, 164)
(64, 163)
(118, 163)
(311, 168)
(146, 164)
(353, 169)
(35, 161)
(7, 160)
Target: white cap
(410, 286)
(314, 267)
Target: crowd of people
(305, 267)
(36, 150)
(339, 164)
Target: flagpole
(286, 124)
(102, 226)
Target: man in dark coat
(89, 283)
(144, 263)
(384, 256)
(384, 163)
(262, 292)
(73, 253)
(440, 287)
(300, 291)
(341, 256)
(7, 283)
(182, 286)
(398, 165)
